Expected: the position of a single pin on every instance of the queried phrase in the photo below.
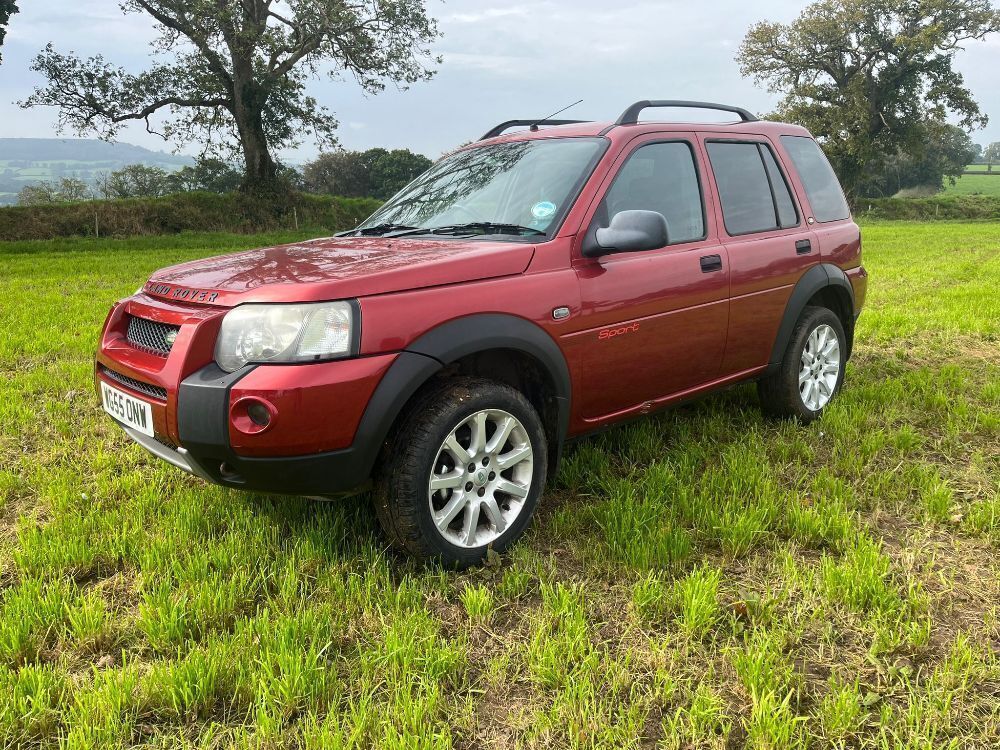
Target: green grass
(703, 578)
(974, 184)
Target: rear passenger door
(769, 244)
(828, 215)
(652, 323)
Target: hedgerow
(182, 212)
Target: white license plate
(126, 409)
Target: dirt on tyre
(812, 368)
(463, 473)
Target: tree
(208, 175)
(992, 155)
(66, 190)
(944, 152)
(7, 9)
(391, 171)
(866, 76)
(343, 173)
(375, 173)
(233, 72)
(134, 181)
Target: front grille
(150, 336)
(149, 389)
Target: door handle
(711, 263)
(803, 247)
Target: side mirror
(630, 231)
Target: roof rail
(631, 115)
(494, 132)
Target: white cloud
(503, 65)
(489, 14)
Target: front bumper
(332, 417)
(329, 474)
(177, 457)
(204, 443)
(205, 429)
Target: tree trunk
(261, 172)
(261, 175)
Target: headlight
(284, 333)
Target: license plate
(128, 410)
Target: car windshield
(517, 188)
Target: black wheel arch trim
(482, 332)
(815, 279)
(448, 343)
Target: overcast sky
(501, 61)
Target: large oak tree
(232, 73)
(7, 9)
(867, 76)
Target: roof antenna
(534, 126)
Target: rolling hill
(24, 161)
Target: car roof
(626, 132)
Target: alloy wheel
(819, 368)
(480, 479)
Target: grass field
(974, 184)
(704, 578)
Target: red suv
(528, 289)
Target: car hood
(336, 268)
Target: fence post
(97, 226)
(295, 215)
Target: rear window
(820, 181)
(754, 193)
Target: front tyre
(812, 369)
(464, 472)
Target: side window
(818, 178)
(788, 216)
(660, 177)
(754, 193)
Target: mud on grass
(705, 578)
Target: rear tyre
(464, 472)
(811, 371)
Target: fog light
(259, 414)
(253, 415)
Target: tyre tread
(779, 392)
(400, 497)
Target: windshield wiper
(380, 229)
(486, 227)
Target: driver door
(653, 323)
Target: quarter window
(822, 188)
(660, 177)
(788, 216)
(754, 193)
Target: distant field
(972, 184)
(706, 578)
